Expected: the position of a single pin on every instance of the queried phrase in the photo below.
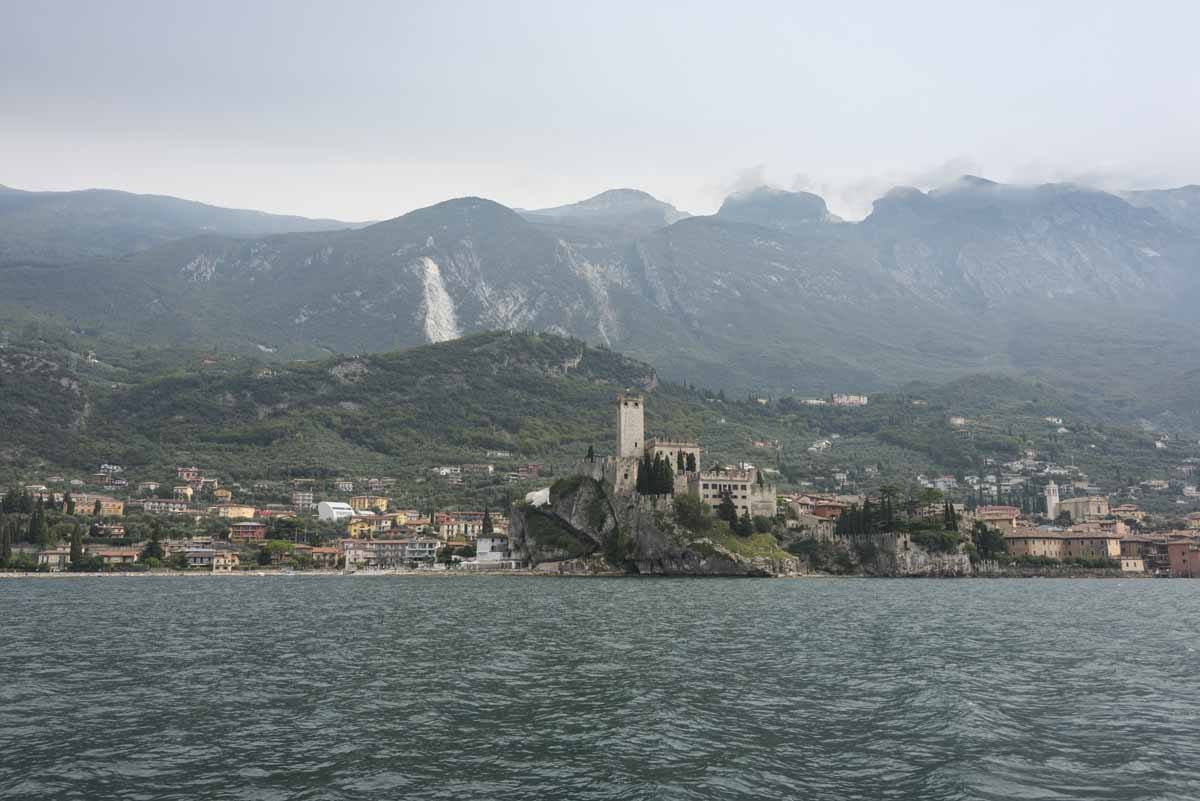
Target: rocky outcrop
(586, 529)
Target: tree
(153, 548)
(5, 545)
(727, 511)
(591, 454)
(692, 513)
(69, 503)
(38, 533)
(179, 560)
(989, 543)
(745, 526)
(691, 463)
(77, 548)
(96, 508)
(486, 528)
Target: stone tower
(631, 426)
(1052, 500)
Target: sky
(366, 110)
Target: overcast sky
(367, 110)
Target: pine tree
(485, 528)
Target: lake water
(524, 688)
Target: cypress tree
(5, 545)
(691, 463)
(76, 548)
(69, 502)
(96, 508)
(485, 528)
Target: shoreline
(404, 573)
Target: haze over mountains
(68, 226)
(1082, 287)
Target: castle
(749, 490)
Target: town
(1027, 517)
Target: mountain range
(1093, 290)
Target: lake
(526, 688)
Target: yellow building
(369, 503)
(183, 493)
(86, 503)
(222, 495)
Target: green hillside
(538, 397)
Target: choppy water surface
(518, 688)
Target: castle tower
(631, 426)
(1052, 500)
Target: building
(226, 561)
(369, 503)
(1090, 545)
(147, 486)
(1002, 518)
(334, 511)
(1051, 493)
(222, 495)
(169, 506)
(749, 492)
(684, 457)
(841, 399)
(631, 431)
(1129, 512)
(55, 559)
(1034, 542)
(1084, 508)
(1183, 556)
(302, 500)
(495, 548)
(248, 531)
(116, 556)
(199, 557)
(110, 530)
(183, 493)
(234, 511)
(1093, 545)
(325, 557)
(390, 553)
(187, 473)
(85, 504)
(344, 485)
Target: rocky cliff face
(585, 529)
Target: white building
(334, 511)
